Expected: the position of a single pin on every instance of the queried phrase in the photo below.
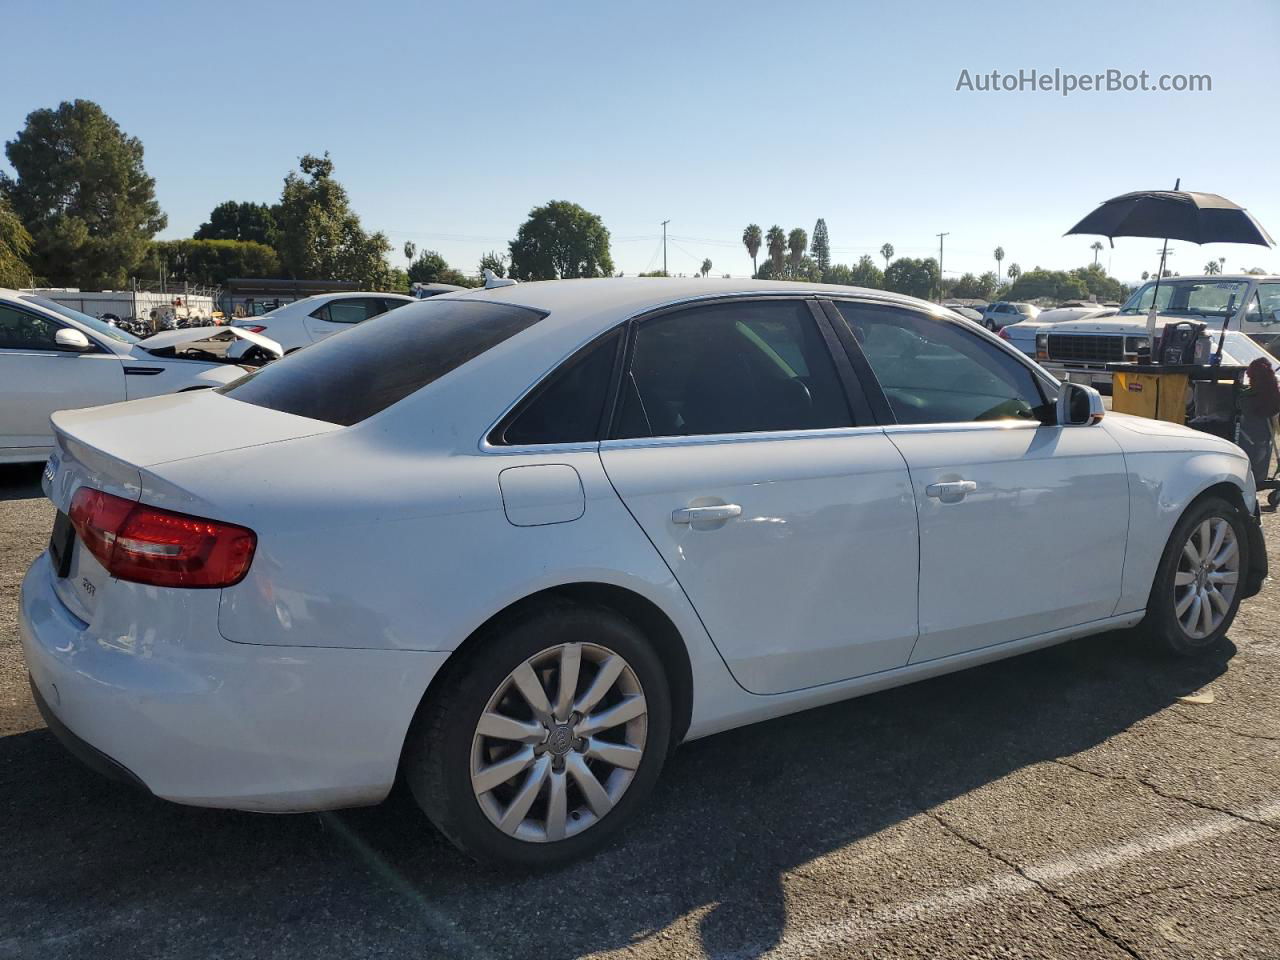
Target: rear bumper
(203, 721)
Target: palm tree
(1013, 273)
(751, 240)
(706, 266)
(1222, 264)
(777, 243)
(887, 252)
(409, 250)
(797, 243)
(1212, 267)
(999, 255)
(1146, 275)
(1096, 247)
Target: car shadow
(95, 863)
(20, 481)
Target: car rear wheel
(540, 745)
(1197, 589)
(991, 325)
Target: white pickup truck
(1079, 350)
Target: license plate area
(61, 543)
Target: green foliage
(320, 236)
(561, 240)
(1098, 284)
(752, 238)
(209, 262)
(914, 277)
(1050, 284)
(430, 267)
(887, 252)
(82, 192)
(253, 222)
(1014, 271)
(864, 273)
(654, 273)
(497, 262)
(776, 241)
(397, 281)
(15, 247)
(706, 267)
(797, 244)
(821, 246)
(970, 287)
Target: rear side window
(569, 406)
(346, 379)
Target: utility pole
(664, 248)
(940, 239)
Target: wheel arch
(656, 625)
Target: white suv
(304, 322)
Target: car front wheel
(1197, 590)
(545, 738)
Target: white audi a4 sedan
(518, 543)
(55, 358)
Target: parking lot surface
(1068, 803)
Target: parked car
(518, 543)
(1004, 312)
(970, 314)
(307, 321)
(1080, 349)
(55, 358)
(1023, 334)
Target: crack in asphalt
(1166, 795)
(1038, 884)
(1196, 721)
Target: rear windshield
(362, 371)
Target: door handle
(951, 491)
(719, 511)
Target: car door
(341, 314)
(38, 377)
(788, 521)
(1022, 523)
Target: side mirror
(73, 340)
(1079, 406)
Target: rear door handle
(951, 491)
(719, 511)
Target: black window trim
(879, 402)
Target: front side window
(1210, 299)
(1265, 306)
(932, 371)
(93, 323)
(743, 367)
(20, 330)
(345, 379)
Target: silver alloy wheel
(1204, 583)
(559, 742)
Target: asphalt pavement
(1068, 803)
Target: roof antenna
(492, 280)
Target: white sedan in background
(516, 544)
(55, 358)
(303, 322)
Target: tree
(999, 255)
(777, 245)
(1096, 247)
(497, 262)
(1212, 268)
(240, 221)
(887, 252)
(561, 240)
(916, 278)
(210, 262)
(1014, 272)
(15, 247)
(797, 244)
(1146, 275)
(83, 194)
(970, 287)
(410, 249)
(751, 239)
(821, 246)
(430, 267)
(865, 273)
(1050, 284)
(320, 235)
(706, 267)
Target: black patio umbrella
(1174, 215)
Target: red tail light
(159, 547)
(253, 327)
(1003, 334)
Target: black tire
(1161, 625)
(437, 756)
(990, 325)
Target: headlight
(1042, 346)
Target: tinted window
(932, 371)
(392, 304)
(346, 379)
(20, 330)
(731, 368)
(352, 310)
(568, 408)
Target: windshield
(1027, 309)
(93, 323)
(1192, 298)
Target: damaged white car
(55, 358)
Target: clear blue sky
(447, 122)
